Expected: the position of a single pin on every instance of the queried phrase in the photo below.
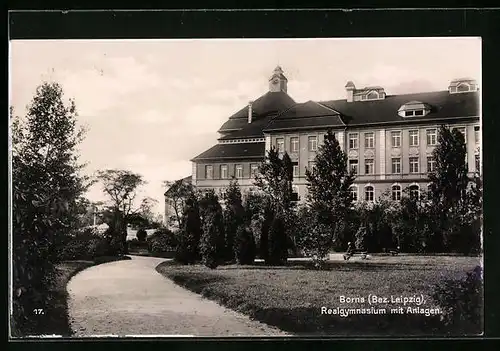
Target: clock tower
(278, 81)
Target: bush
(461, 301)
(278, 250)
(141, 234)
(83, 244)
(135, 244)
(361, 235)
(188, 250)
(162, 241)
(212, 240)
(244, 246)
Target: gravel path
(130, 298)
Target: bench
(362, 254)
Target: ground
(291, 297)
(132, 298)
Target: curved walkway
(130, 298)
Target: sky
(151, 105)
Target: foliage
(462, 301)
(275, 178)
(162, 241)
(278, 250)
(234, 216)
(244, 246)
(188, 249)
(121, 187)
(176, 196)
(46, 186)
(212, 245)
(329, 185)
(361, 236)
(316, 237)
(141, 235)
(455, 199)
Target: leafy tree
(275, 178)
(234, 216)
(121, 187)
(244, 246)
(188, 249)
(212, 245)
(329, 193)
(46, 188)
(278, 250)
(176, 195)
(455, 198)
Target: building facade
(388, 139)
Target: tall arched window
(414, 191)
(396, 192)
(354, 192)
(369, 193)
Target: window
(295, 169)
(310, 166)
(369, 140)
(413, 164)
(414, 191)
(431, 164)
(408, 113)
(223, 171)
(477, 134)
(254, 169)
(396, 138)
(413, 137)
(369, 193)
(353, 140)
(396, 165)
(478, 163)
(354, 192)
(353, 164)
(372, 95)
(238, 171)
(294, 144)
(431, 137)
(312, 141)
(369, 166)
(280, 145)
(396, 192)
(209, 172)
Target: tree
(121, 187)
(176, 196)
(275, 178)
(46, 187)
(329, 194)
(455, 198)
(277, 242)
(141, 235)
(244, 246)
(234, 216)
(212, 245)
(188, 250)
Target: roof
(306, 115)
(232, 151)
(443, 106)
(249, 130)
(270, 102)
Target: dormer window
(372, 95)
(414, 108)
(462, 85)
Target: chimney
(250, 111)
(350, 88)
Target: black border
(290, 24)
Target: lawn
(292, 297)
(53, 320)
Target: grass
(55, 318)
(291, 297)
